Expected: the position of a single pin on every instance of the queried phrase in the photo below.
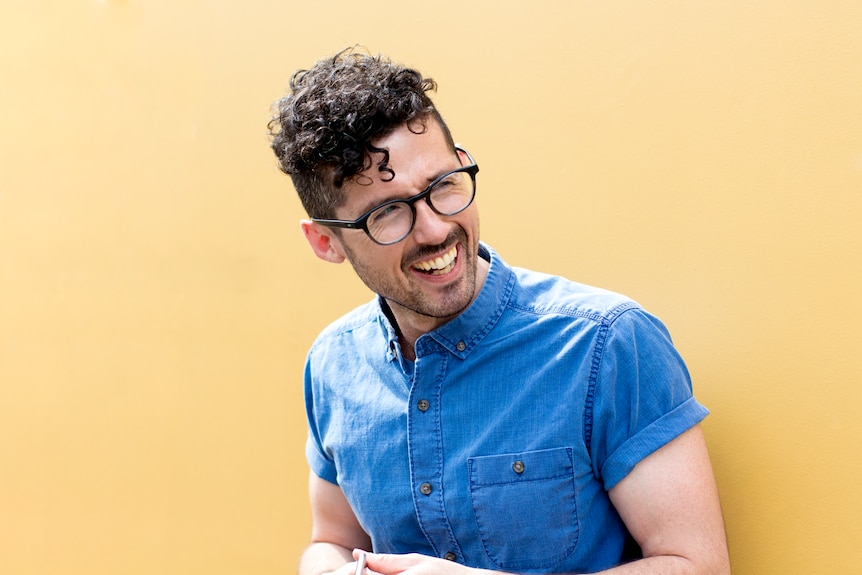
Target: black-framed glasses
(392, 221)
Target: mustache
(424, 252)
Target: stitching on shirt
(485, 532)
(440, 379)
(562, 310)
(595, 366)
(363, 315)
(439, 496)
(520, 481)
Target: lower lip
(456, 265)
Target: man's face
(430, 276)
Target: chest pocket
(525, 508)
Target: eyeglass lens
(392, 222)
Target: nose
(429, 227)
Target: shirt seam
(605, 324)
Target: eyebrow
(368, 206)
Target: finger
(360, 563)
(358, 552)
(389, 564)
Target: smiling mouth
(440, 265)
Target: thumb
(358, 552)
(360, 557)
(389, 564)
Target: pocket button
(518, 467)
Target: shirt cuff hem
(648, 440)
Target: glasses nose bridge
(426, 197)
(429, 222)
(435, 216)
(422, 196)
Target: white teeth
(440, 263)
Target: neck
(410, 326)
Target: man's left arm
(669, 503)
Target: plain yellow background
(157, 298)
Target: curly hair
(323, 128)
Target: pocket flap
(527, 466)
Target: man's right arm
(335, 531)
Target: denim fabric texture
(497, 446)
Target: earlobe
(322, 242)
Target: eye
(450, 180)
(455, 184)
(387, 212)
(446, 185)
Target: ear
(323, 242)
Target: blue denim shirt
(497, 446)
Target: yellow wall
(156, 297)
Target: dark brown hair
(322, 129)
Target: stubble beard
(448, 301)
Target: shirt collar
(462, 334)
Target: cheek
(375, 260)
(470, 221)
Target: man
(474, 415)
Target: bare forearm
(668, 565)
(414, 564)
(321, 557)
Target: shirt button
(450, 556)
(518, 467)
(461, 346)
(426, 489)
(423, 405)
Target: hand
(411, 564)
(347, 568)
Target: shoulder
(546, 294)
(354, 324)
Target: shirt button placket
(426, 458)
(423, 405)
(425, 488)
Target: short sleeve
(642, 395)
(320, 464)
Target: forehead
(418, 146)
(416, 157)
